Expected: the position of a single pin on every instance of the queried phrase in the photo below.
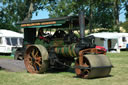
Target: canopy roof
(109, 35)
(9, 33)
(61, 22)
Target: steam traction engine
(57, 51)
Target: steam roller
(61, 51)
(89, 64)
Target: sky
(122, 15)
(41, 15)
(44, 14)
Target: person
(59, 34)
(41, 32)
(41, 35)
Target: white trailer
(10, 40)
(111, 40)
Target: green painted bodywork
(51, 44)
(66, 50)
(59, 46)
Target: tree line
(101, 13)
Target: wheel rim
(33, 59)
(82, 73)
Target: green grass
(6, 57)
(119, 75)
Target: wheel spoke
(36, 54)
(33, 51)
(38, 63)
(38, 58)
(35, 67)
(34, 60)
(30, 61)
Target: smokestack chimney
(82, 26)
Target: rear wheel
(18, 55)
(35, 59)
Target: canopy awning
(62, 22)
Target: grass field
(119, 75)
(6, 57)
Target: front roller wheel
(36, 59)
(93, 66)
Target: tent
(9, 33)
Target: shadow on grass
(95, 77)
(71, 70)
(2, 69)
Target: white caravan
(111, 40)
(10, 40)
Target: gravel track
(12, 65)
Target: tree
(65, 8)
(117, 5)
(125, 24)
(126, 8)
(91, 15)
(99, 12)
(13, 11)
(104, 15)
(7, 16)
(116, 14)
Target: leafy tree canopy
(12, 11)
(101, 13)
